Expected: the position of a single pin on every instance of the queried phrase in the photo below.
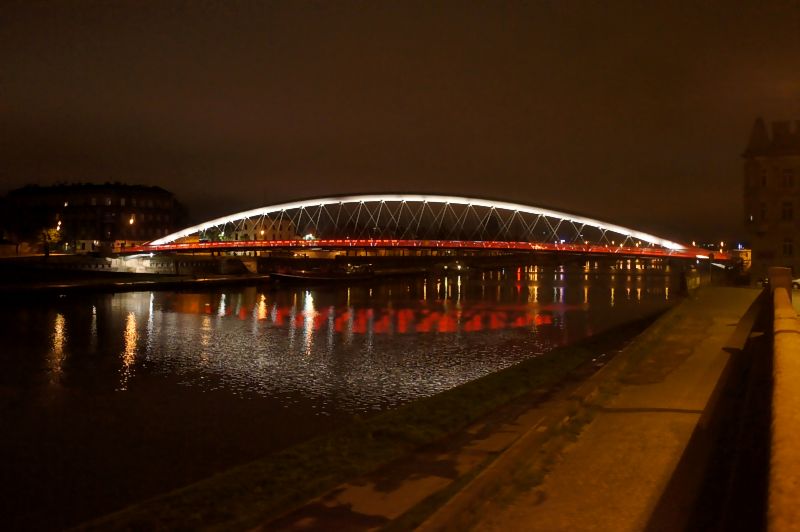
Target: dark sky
(634, 112)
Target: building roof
(785, 139)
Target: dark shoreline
(128, 283)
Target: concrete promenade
(613, 475)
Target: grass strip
(249, 494)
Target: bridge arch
(422, 216)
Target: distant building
(772, 195)
(744, 256)
(266, 228)
(93, 217)
(261, 228)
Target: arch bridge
(415, 221)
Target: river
(109, 398)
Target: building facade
(772, 196)
(94, 217)
(266, 228)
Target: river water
(109, 398)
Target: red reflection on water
(474, 318)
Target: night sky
(633, 112)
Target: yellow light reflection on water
(131, 338)
(57, 355)
(205, 332)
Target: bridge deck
(333, 244)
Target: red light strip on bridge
(591, 249)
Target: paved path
(612, 477)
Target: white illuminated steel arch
(422, 199)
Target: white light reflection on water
(150, 327)
(221, 310)
(309, 314)
(93, 331)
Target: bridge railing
(344, 243)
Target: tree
(48, 237)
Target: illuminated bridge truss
(414, 221)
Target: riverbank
(256, 492)
(123, 282)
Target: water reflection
(57, 352)
(222, 368)
(358, 347)
(129, 353)
(93, 330)
(342, 342)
